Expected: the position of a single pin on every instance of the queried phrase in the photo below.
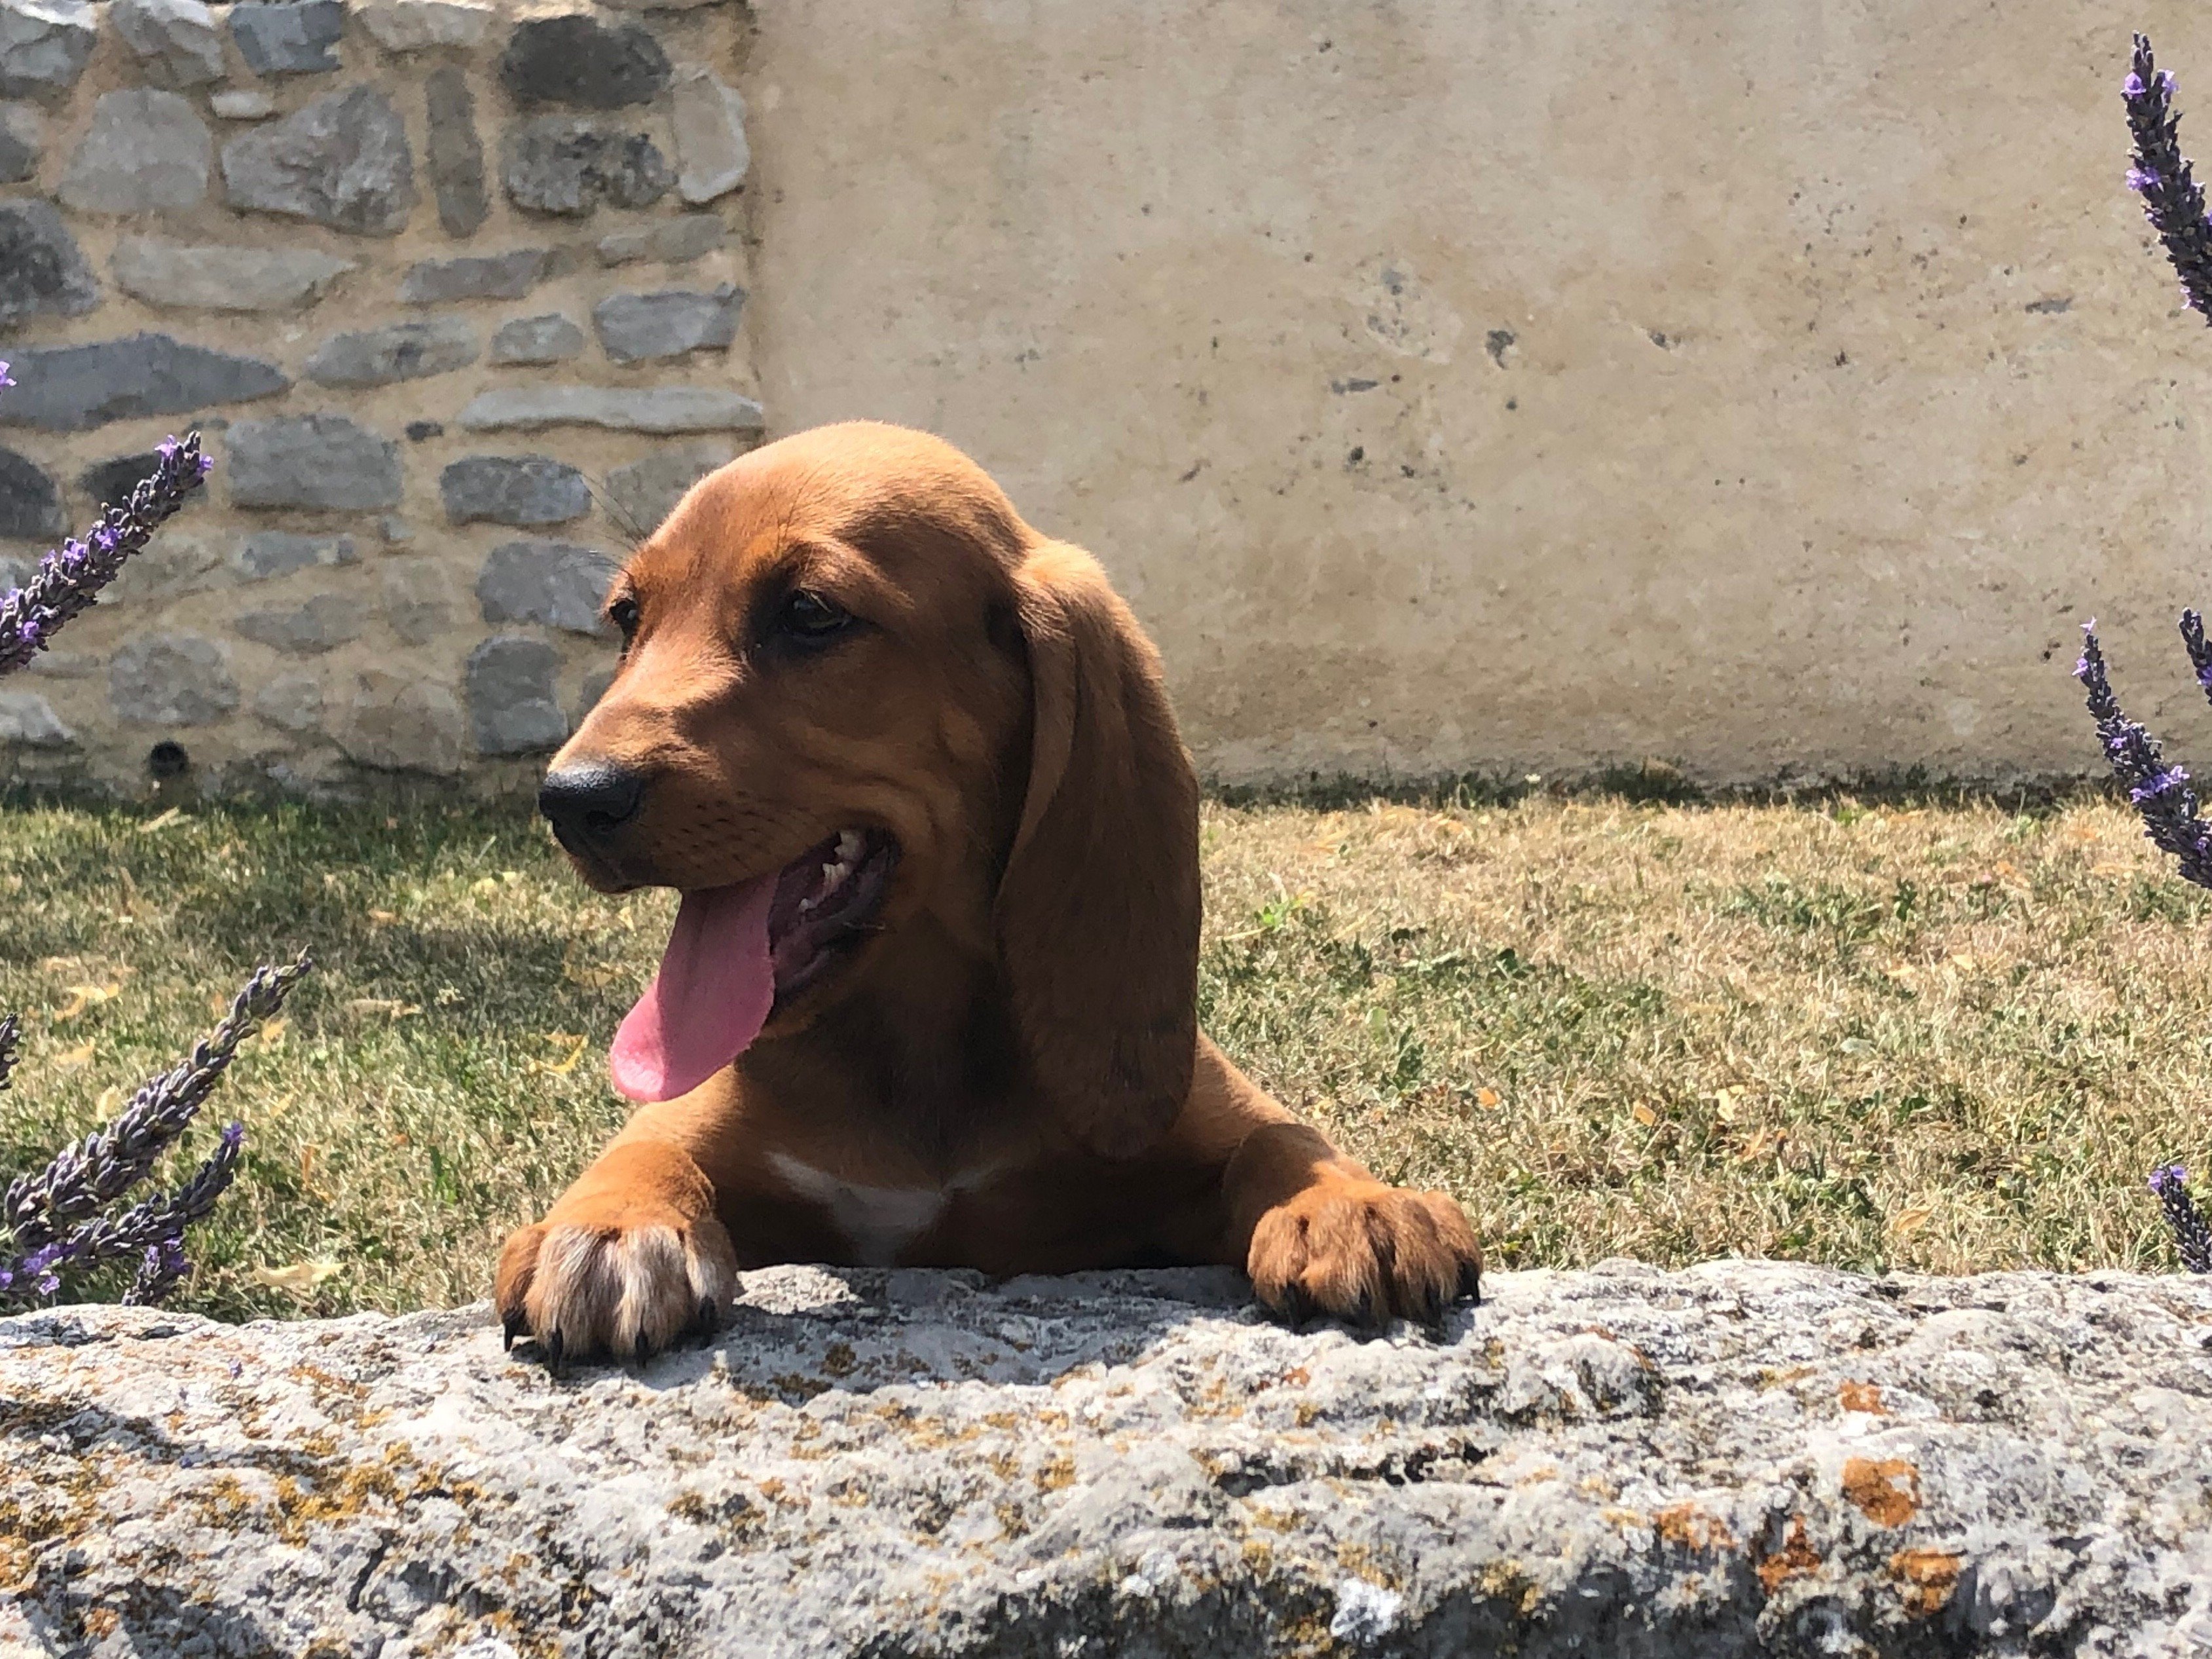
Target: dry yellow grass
(1943, 1038)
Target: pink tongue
(709, 1000)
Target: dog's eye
(808, 616)
(622, 613)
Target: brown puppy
(930, 998)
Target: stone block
(418, 599)
(172, 565)
(456, 155)
(406, 25)
(645, 492)
(514, 706)
(551, 339)
(110, 481)
(342, 161)
(75, 388)
(30, 501)
(666, 410)
(676, 242)
(171, 679)
(516, 490)
(321, 623)
(291, 702)
(22, 142)
(672, 323)
(398, 351)
(42, 270)
(146, 151)
(402, 723)
(556, 583)
(564, 165)
(590, 689)
(572, 61)
(178, 276)
(268, 554)
(323, 461)
(289, 37)
(708, 123)
(475, 276)
(176, 42)
(243, 104)
(28, 721)
(45, 46)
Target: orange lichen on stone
(1795, 1558)
(1926, 1577)
(1692, 1528)
(1861, 1397)
(1886, 1490)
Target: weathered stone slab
(175, 563)
(178, 276)
(516, 490)
(402, 723)
(171, 679)
(514, 707)
(44, 46)
(672, 323)
(289, 37)
(322, 621)
(551, 339)
(75, 388)
(645, 492)
(110, 481)
(243, 104)
(475, 276)
(28, 721)
(42, 270)
(405, 26)
(675, 242)
(342, 161)
(668, 409)
(312, 461)
(556, 583)
(291, 701)
(575, 62)
(456, 155)
(30, 501)
(146, 151)
(564, 165)
(268, 554)
(398, 351)
(709, 123)
(418, 600)
(176, 42)
(1741, 1459)
(22, 142)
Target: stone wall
(456, 292)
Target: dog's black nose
(587, 802)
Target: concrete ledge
(1742, 1458)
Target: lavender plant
(64, 1217)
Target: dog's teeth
(832, 874)
(849, 846)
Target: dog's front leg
(1320, 1236)
(628, 1261)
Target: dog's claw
(512, 1327)
(709, 1317)
(554, 1347)
(1470, 1283)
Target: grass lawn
(1940, 1038)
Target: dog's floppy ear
(1097, 912)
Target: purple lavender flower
(69, 578)
(56, 1216)
(2190, 1232)
(2162, 794)
(2173, 200)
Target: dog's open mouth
(736, 952)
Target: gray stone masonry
(342, 161)
(1743, 1459)
(45, 46)
(42, 269)
(312, 461)
(179, 277)
(515, 489)
(556, 583)
(289, 37)
(75, 388)
(646, 327)
(146, 151)
(514, 708)
(398, 351)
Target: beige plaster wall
(1770, 386)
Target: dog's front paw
(614, 1276)
(1363, 1253)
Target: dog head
(863, 708)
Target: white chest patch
(878, 1222)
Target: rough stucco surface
(1769, 386)
(1742, 1458)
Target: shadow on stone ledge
(1744, 1458)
